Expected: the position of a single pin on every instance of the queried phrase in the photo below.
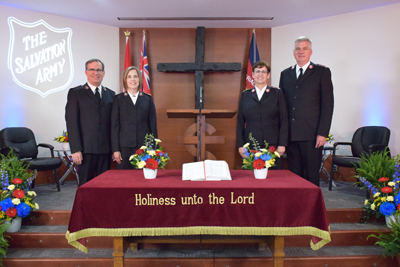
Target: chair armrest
(378, 148)
(339, 144)
(49, 147)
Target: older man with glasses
(88, 117)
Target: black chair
(23, 142)
(366, 140)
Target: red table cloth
(124, 203)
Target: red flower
(66, 138)
(11, 212)
(139, 151)
(158, 153)
(387, 189)
(383, 179)
(258, 164)
(17, 181)
(272, 149)
(151, 164)
(18, 193)
(398, 206)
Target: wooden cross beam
(199, 66)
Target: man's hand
(241, 152)
(321, 140)
(281, 150)
(117, 157)
(77, 157)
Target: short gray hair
(303, 39)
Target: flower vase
(15, 225)
(65, 146)
(149, 173)
(261, 174)
(391, 219)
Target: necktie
(97, 95)
(300, 75)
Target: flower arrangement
(62, 138)
(330, 138)
(15, 198)
(148, 156)
(259, 158)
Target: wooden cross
(199, 66)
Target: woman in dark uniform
(262, 112)
(133, 116)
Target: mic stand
(199, 133)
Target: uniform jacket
(131, 122)
(89, 122)
(309, 101)
(265, 119)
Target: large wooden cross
(199, 66)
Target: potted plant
(390, 242)
(259, 159)
(16, 200)
(4, 244)
(149, 158)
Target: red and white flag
(127, 52)
(144, 67)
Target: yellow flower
(32, 194)
(267, 164)
(141, 164)
(377, 195)
(36, 206)
(246, 145)
(16, 201)
(263, 150)
(258, 154)
(11, 187)
(366, 202)
(151, 153)
(372, 206)
(157, 140)
(392, 184)
(277, 154)
(143, 147)
(132, 157)
(390, 198)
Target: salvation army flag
(127, 52)
(253, 58)
(144, 67)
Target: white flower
(36, 206)
(151, 152)
(246, 145)
(267, 164)
(258, 154)
(157, 140)
(141, 164)
(16, 201)
(377, 195)
(390, 198)
(11, 187)
(373, 206)
(31, 193)
(263, 150)
(366, 202)
(392, 184)
(132, 157)
(277, 154)
(143, 147)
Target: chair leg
(331, 176)
(57, 180)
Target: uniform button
(292, 119)
(295, 97)
(297, 87)
(294, 108)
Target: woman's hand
(117, 157)
(241, 152)
(281, 150)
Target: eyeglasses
(95, 70)
(261, 71)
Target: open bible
(208, 170)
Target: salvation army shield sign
(40, 56)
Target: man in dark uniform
(308, 91)
(88, 117)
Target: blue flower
(23, 210)
(387, 208)
(145, 157)
(265, 157)
(247, 153)
(397, 199)
(6, 204)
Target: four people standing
(88, 113)
(295, 119)
(309, 95)
(133, 116)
